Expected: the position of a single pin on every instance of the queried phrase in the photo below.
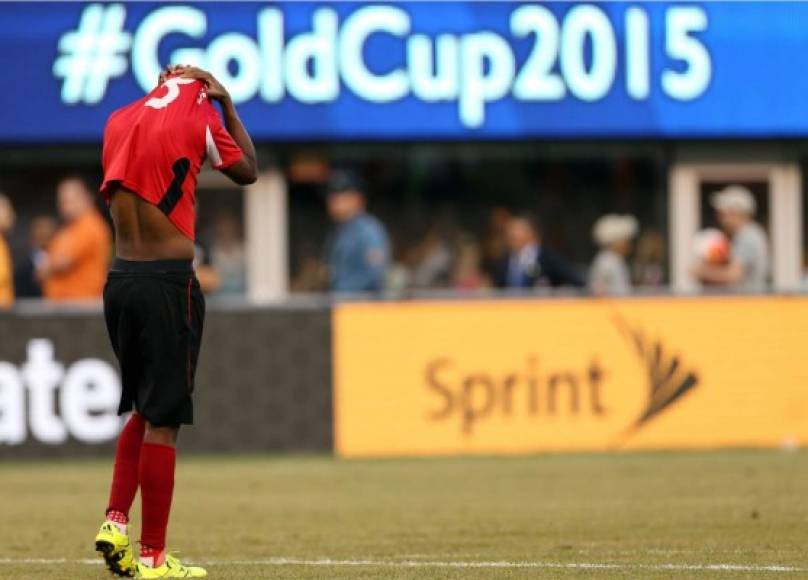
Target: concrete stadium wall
(263, 384)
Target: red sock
(117, 517)
(156, 490)
(152, 557)
(124, 474)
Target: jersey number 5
(172, 85)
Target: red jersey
(155, 147)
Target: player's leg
(156, 474)
(112, 540)
(157, 465)
(175, 310)
(125, 472)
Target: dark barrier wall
(263, 384)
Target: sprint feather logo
(668, 377)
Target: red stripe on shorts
(190, 335)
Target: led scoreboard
(412, 70)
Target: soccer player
(154, 309)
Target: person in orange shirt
(7, 218)
(79, 253)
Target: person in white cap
(748, 267)
(609, 273)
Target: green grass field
(666, 515)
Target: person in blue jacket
(358, 250)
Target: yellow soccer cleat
(171, 568)
(114, 547)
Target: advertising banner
(263, 384)
(419, 70)
(521, 376)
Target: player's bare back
(143, 232)
(153, 151)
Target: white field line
(447, 564)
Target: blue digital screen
(419, 70)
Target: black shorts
(154, 313)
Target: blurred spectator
(495, 241)
(310, 275)
(398, 277)
(748, 266)
(227, 255)
(467, 274)
(40, 234)
(609, 273)
(649, 259)
(7, 219)
(432, 260)
(206, 274)
(75, 267)
(358, 251)
(804, 284)
(528, 263)
(711, 247)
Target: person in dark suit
(528, 263)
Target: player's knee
(163, 435)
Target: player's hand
(170, 70)
(215, 89)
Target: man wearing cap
(748, 267)
(358, 251)
(609, 273)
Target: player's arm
(245, 170)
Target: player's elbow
(249, 172)
(247, 179)
(242, 173)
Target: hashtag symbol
(91, 55)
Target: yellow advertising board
(520, 376)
